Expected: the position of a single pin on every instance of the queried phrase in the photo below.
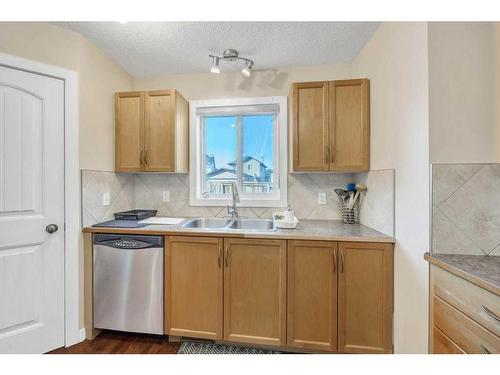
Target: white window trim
(196, 159)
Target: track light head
(247, 70)
(215, 65)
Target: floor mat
(196, 347)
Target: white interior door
(31, 197)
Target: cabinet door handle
(146, 157)
(141, 160)
(226, 256)
(342, 261)
(484, 350)
(333, 154)
(327, 155)
(219, 260)
(334, 261)
(490, 313)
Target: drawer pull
(484, 350)
(341, 261)
(490, 313)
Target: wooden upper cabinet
(152, 131)
(349, 125)
(331, 126)
(312, 295)
(310, 126)
(255, 291)
(193, 292)
(365, 297)
(129, 131)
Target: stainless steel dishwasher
(128, 283)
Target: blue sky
(257, 138)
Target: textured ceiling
(154, 48)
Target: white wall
(233, 84)
(395, 60)
(462, 92)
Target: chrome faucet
(233, 210)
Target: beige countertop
(478, 269)
(326, 230)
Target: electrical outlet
(166, 196)
(106, 200)
(322, 198)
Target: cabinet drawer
(442, 343)
(462, 330)
(474, 301)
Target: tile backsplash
(143, 190)
(466, 209)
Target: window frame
(196, 152)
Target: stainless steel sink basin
(207, 223)
(231, 224)
(252, 224)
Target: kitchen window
(242, 142)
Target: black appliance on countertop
(127, 219)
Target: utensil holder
(349, 215)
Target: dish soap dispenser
(289, 215)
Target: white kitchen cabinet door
(31, 198)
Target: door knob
(51, 228)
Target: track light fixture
(231, 55)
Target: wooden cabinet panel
(365, 299)
(152, 131)
(159, 131)
(255, 291)
(349, 107)
(462, 330)
(443, 344)
(194, 292)
(312, 295)
(474, 301)
(331, 126)
(129, 131)
(310, 126)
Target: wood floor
(111, 342)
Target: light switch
(322, 198)
(166, 196)
(106, 200)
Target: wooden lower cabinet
(312, 295)
(255, 291)
(463, 316)
(194, 275)
(365, 297)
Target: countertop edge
(463, 274)
(285, 236)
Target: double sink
(260, 225)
